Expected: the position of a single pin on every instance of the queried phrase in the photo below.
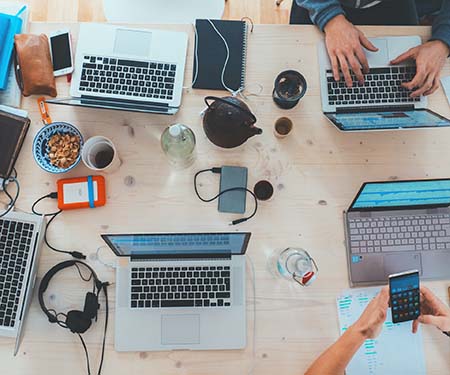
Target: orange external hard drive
(81, 192)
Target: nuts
(63, 149)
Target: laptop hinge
(123, 103)
(396, 108)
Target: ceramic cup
(99, 154)
(283, 127)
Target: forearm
(336, 358)
(321, 11)
(441, 25)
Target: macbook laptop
(180, 291)
(381, 103)
(21, 237)
(129, 69)
(396, 226)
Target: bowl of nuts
(57, 147)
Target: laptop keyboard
(409, 233)
(200, 286)
(381, 86)
(15, 243)
(143, 79)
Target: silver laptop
(180, 291)
(393, 227)
(21, 237)
(128, 69)
(381, 103)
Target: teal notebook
(9, 26)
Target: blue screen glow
(395, 194)
(388, 120)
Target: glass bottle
(178, 143)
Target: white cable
(252, 267)
(110, 265)
(234, 93)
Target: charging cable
(54, 195)
(12, 200)
(207, 200)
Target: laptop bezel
(396, 208)
(385, 109)
(175, 256)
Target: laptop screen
(177, 244)
(403, 194)
(419, 118)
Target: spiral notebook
(211, 54)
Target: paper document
(395, 351)
(12, 95)
(445, 81)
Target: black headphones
(77, 321)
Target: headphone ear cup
(77, 322)
(91, 306)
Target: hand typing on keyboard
(430, 57)
(345, 45)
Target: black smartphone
(404, 291)
(233, 201)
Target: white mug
(100, 155)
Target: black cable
(207, 200)
(12, 200)
(86, 354)
(105, 291)
(54, 195)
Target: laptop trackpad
(394, 263)
(180, 329)
(381, 57)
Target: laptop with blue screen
(381, 102)
(396, 226)
(180, 291)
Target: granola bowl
(57, 147)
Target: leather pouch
(33, 65)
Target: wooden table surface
(316, 172)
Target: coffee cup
(99, 154)
(283, 127)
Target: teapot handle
(251, 115)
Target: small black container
(290, 87)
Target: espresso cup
(99, 154)
(283, 127)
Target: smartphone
(405, 296)
(61, 52)
(233, 201)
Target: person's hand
(430, 57)
(432, 311)
(371, 321)
(345, 48)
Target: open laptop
(180, 291)
(117, 67)
(381, 103)
(21, 237)
(397, 226)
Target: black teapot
(228, 122)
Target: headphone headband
(52, 272)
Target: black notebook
(13, 130)
(212, 54)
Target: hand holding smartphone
(61, 52)
(404, 291)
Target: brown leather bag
(33, 65)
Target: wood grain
(316, 172)
(260, 11)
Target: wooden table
(316, 173)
